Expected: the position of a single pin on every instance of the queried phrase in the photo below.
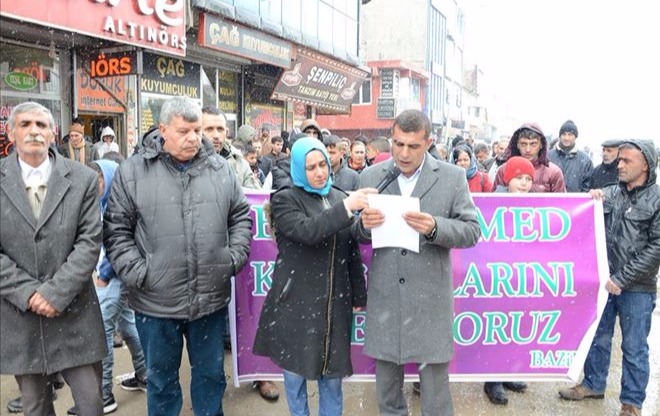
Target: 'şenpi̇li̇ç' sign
(527, 297)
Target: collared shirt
(407, 185)
(38, 175)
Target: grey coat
(410, 305)
(54, 256)
(176, 236)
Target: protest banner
(527, 297)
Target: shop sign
(217, 33)
(389, 80)
(227, 93)
(21, 81)
(93, 93)
(112, 64)
(152, 24)
(386, 108)
(319, 81)
(170, 76)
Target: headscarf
(299, 153)
(462, 148)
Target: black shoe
(133, 384)
(516, 386)
(15, 406)
(495, 392)
(109, 406)
(417, 388)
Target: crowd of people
(92, 244)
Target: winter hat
(568, 127)
(517, 165)
(107, 131)
(77, 127)
(245, 134)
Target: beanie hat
(517, 165)
(568, 127)
(245, 134)
(107, 131)
(77, 127)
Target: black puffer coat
(632, 227)
(305, 324)
(576, 167)
(176, 237)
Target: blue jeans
(162, 340)
(117, 315)
(635, 310)
(330, 395)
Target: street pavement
(541, 399)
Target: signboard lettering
(110, 65)
(217, 33)
(170, 76)
(153, 24)
(386, 108)
(320, 81)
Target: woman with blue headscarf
(478, 181)
(305, 324)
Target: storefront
(28, 73)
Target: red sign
(153, 24)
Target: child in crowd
(518, 178)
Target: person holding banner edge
(305, 323)
(412, 293)
(632, 233)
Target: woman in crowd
(478, 181)
(318, 280)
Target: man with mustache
(176, 228)
(50, 234)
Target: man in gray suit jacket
(50, 238)
(410, 302)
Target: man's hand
(39, 305)
(421, 222)
(612, 287)
(372, 218)
(597, 194)
(100, 283)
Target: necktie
(36, 191)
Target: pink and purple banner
(528, 296)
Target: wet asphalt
(541, 399)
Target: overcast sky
(597, 63)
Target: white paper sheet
(394, 232)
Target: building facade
(117, 65)
(428, 36)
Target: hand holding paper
(393, 231)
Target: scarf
(81, 149)
(298, 158)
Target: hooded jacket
(547, 177)
(108, 168)
(176, 233)
(632, 229)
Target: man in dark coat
(177, 228)
(606, 173)
(408, 292)
(632, 233)
(342, 177)
(50, 236)
(575, 164)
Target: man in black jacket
(176, 229)
(632, 227)
(606, 173)
(575, 164)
